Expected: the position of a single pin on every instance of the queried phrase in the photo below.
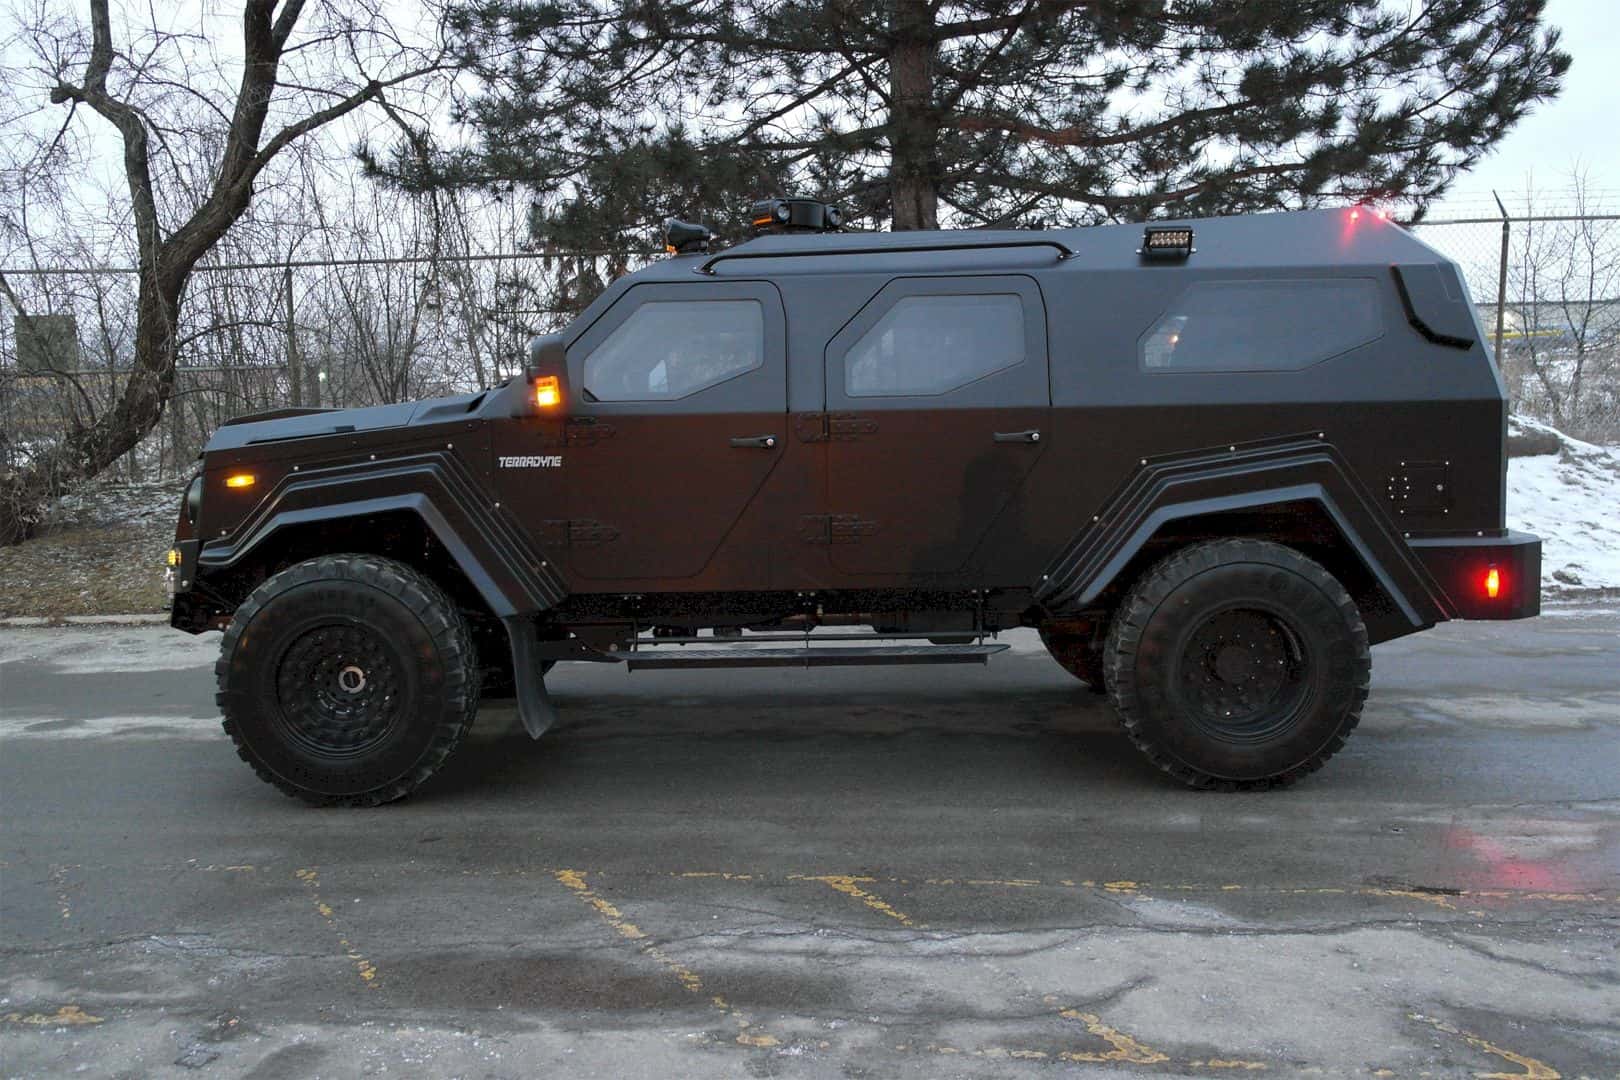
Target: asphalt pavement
(927, 872)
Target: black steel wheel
(1238, 664)
(347, 679)
(1076, 655)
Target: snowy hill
(1570, 497)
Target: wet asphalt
(926, 872)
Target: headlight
(194, 499)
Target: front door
(937, 404)
(677, 411)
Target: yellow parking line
(748, 1035)
(363, 967)
(1533, 1069)
(847, 885)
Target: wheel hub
(352, 679)
(1241, 675)
(337, 688)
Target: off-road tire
(1076, 655)
(288, 662)
(1292, 622)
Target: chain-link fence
(1547, 288)
(347, 332)
(256, 336)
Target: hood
(284, 424)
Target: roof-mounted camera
(685, 237)
(794, 215)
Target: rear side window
(924, 346)
(1263, 325)
(672, 349)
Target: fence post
(1501, 281)
(293, 367)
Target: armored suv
(1211, 462)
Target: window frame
(1363, 281)
(759, 388)
(1019, 384)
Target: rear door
(937, 404)
(676, 416)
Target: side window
(931, 345)
(671, 349)
(1263, 325)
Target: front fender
(509, 572)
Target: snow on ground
(1571, 499)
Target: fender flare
(508, 571)
(1242, 477)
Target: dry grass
(99, 553)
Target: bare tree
(1564, 299)
(167, 97)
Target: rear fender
(1228, 480)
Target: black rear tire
(1238, 665)
(1076, 655)
(347, 680)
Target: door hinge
(581, 533)
(835, 528)
(833, 427)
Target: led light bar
(1166, 242)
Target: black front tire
(1238, 665)
(347, 680)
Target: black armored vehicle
(1210, 462)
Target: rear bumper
(1462, 566)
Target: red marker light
(1493, 582)
(1355, 215)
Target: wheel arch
(1295, 493)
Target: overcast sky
(1581, 125)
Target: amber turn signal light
(240, 480)
(547, 392)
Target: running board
(855, 656)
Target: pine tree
(916, 114)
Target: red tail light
(1493, 582)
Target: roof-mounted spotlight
(685, 238)
(1167, 242)
(794, 215)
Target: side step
(854, 656)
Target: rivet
(449, 446)
(497, 506)
(1231, 449)
(1144, 461)
(373, 457)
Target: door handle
(1018, 436)
(761, 442)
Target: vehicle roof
(1338, 237)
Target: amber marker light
(547, 392)
(1493, 583)
(240, 480)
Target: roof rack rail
(1064, 250)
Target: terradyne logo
(536, 461)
